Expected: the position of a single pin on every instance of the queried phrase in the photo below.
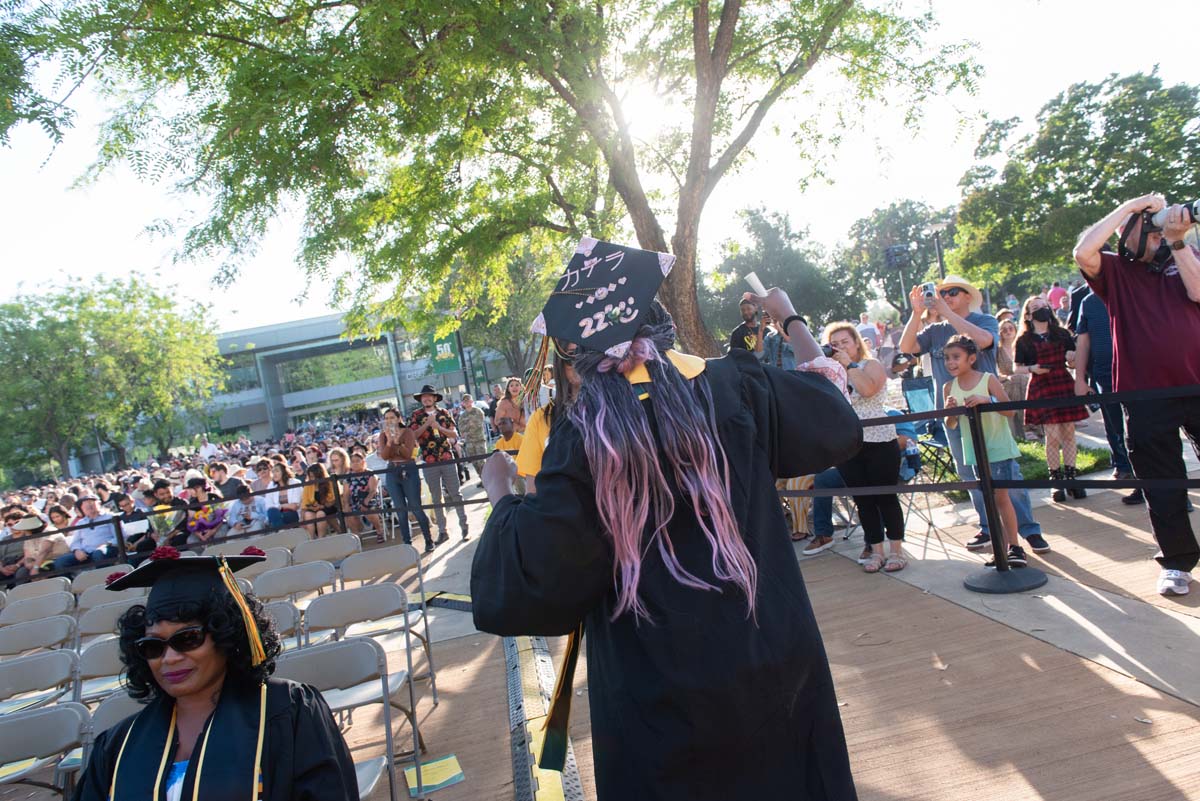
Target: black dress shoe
(1134, 498)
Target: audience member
(436, 432)
(748, 334)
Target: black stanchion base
(1002, 582)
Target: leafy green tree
(418, 136)
(1096, 146)
(906, 223)
(781, 257)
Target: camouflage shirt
(470, 426)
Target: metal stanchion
(337, 499)
(121, 550)
(1004, 578)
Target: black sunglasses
(952, 292)
(182, 641)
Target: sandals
(895, 562)
(874, 564)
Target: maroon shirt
(1154, 325)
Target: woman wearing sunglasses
(199, 654)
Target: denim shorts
(1008, 470)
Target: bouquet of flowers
(164, 522)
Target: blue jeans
(68, 561)
(1026, 525)
(1114, 424)
(277, 518)
(403, 484)
(822, 506)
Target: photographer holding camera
(1151, 288)
(957, 303)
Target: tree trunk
(61, 453)
(679, 293)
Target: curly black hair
(222, 619)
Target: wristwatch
(853, 366)
(1180, 245)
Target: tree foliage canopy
(780, 257)
(417, 136)
(121, 362)
(1096, 146)
(904, 223)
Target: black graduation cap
(603, 296)
(174, 580)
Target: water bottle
(912, 456)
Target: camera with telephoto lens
(1152, 223)
(1159, 218)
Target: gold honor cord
(166, 754)
(257, 787)
(257, 654)
(112, 787)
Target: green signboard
(444, 354)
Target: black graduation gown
(701, 703)
(305, 757)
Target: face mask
(1042, 315)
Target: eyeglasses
(182, 641)
(952, 292)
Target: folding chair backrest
(43, 732)
(274, 558)
(96, 576)
(56, 603)
(333, 548)
(114, 709)
(919, 394)
(340, 609)
(393, 562)
(335, 665)
(288, 538)
(286, 617)
(94, 596)
(103, 619)
(33, 589)
(231, 548)
(101, 658)
(51, 632)
(293, 580)
(43, 671)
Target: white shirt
(294, 493)
(208, 451)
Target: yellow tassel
(257, 654)
(535, 378)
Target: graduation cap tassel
(554, 742)
(257, 654)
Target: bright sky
(1030, 51)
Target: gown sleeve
(811, 425)
(323, 769)
(96, 777)
(542, 563)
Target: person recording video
(1151, 288)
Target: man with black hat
(748, 335)
(436, 432)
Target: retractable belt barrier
(1003, 579)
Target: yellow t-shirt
(537, 432)
(513, 444)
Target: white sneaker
(816, 546)
(1173, 582)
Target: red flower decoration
(164, 552)
(111, 577)
(250, 550)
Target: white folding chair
(287, 538)
(96, 576)
(392, 563)
(232, 548)
(34, 740)
(100, 669)
(290, 582)
(273, 559)
(43, 606)
(110, 712)
(28, 682)
(33, 589)
(290, 627)
(94, 596)
(56, 631)
(102, 619)
(352, 673)
(333, 548)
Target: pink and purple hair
(637, 475)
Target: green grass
(1033, 464)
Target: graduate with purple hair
(656, 527)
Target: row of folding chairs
(350, 673)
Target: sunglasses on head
(952, 292)
(182, 641)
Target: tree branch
(225, 37)
(724, 44)
(787, 79)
